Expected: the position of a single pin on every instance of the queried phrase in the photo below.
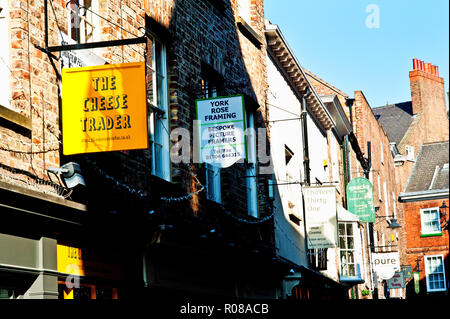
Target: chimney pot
(414, 64)
(437, 70)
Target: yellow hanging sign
(104, 108)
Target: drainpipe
(303, 117)
(349, 102)
(307, 178)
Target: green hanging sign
(416, 282)
(360, 199)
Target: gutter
(424, 195)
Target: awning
(345, 216)
(321, 280)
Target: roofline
(424, 195)
(316, 77)
(274, 31)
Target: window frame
(250, 172)
(83, 19)
(213, 183)
(353, 250)
(428, 274)
(423, 229)
(158, 118)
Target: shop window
(81, 21)
(6, 293)
(5, 72)
(430, 221)
(318, 258)
(435, 273)
(158, 101)
(347, 250)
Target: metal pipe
(304, 122)
(45, 25)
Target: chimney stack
(428, 99)
(426, 67)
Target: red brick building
(427, 238)
(366, 130)
(147, 223)
(420, 124)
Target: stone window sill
(248, 31)
(430, 235)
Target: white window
(212, 173)
(410, 153)
(157, 98)
(252, 200)
(386, 199)
(382, 153)
(244, 10)
(347, 250)
(394, 200)
(379, 188)
(213, 185)
(430, 220)
(81, 20)
(5, 72)
(435, 273)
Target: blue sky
(331, 39)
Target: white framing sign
(321, 216)
(221, 130)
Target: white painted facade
(286, 131)
(282, 106)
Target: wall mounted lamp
(392, 223)
(70, 173)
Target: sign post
(360, 199)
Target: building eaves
(281, 52)
(322, 81)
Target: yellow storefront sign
(87, 262)
(104, 108)
(69, 260)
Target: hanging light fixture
(393, 224)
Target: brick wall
(202, 34)
(196, 33)
(417, 246)
(428, 96)
(430, 123)
(367, 129)
(26, 154)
